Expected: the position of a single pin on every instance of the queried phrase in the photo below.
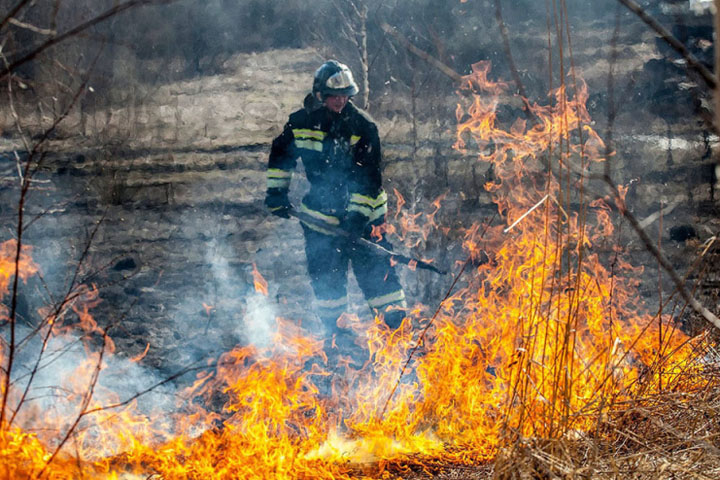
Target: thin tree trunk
(716, 93)
(365, 66)
(508, 53)
(717, 66)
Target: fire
(566, 335)
(538, 342)
(412, 228)
(261, 285)
(26, 267)
(37, 430)
(139, 357)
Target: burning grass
(543, 363)
(666, 435)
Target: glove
(278, 204)
(354, 223)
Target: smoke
(700, 7)
(225, 302)
(210, 302)
(64, 378)
(259, 321)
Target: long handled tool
(365, 243)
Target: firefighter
(340, 150)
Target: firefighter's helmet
(334, 78)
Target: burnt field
(163, 322)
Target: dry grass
(667, 435)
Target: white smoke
(259, 321)
(64, 377)
(699, 7)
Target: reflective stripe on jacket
(341, 156)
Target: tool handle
(304, 217)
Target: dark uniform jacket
(341, 156)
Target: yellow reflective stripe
(397, 297)
(371, 214)
(278, 178)
(319, 215)
(377, 213)
(309, 145)
(278, 183)
(359, 208)
(278, 173)
(372, 208)
(318, 229)
(307, 133)
(332, 303)
(354, 139)
(369, 201)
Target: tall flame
(541, 340)
(566, 335)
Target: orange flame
(566, 329)
(25, 266)
(538, 342)
(261, 285)
(139, 357)
(412, 228)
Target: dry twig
(109, 13)
(676, 44)
(664, 263)
(452, 74)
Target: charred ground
(167, 191)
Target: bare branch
(13, 12)
(511, 62)
(455, 76)
(33, 28)
(611, 103)
(24, 189)
(16, 118)
(676, 44)
(361, 41)
(650, 246)
(637, 225)
(111, 12)
(85, 402)
(190, 368)
(72, 294)
(355, 8)
(664, 210)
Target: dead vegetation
(663, 425)
(668, 435)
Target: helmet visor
(340, 80)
